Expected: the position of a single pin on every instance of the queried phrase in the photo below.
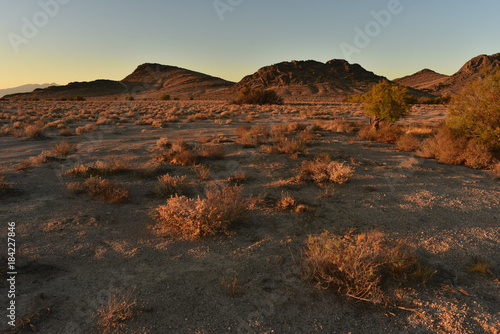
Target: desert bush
(386, 102)
(476, 111)
(340, 125)
(385, 133)
(66, 132)
(111, 317)
(212, 151)
(477, 155)
(257, 96)
(408, 143)
(238, 177)
(103, 189)
(202, 171)
(129, 98)
(178, 153)
(98, 168)
(479, 266)
(34, 131)
(195, 218)
(355, 264)
(163, 142)
(165, 97)
(63, 148)
(305, 136)
(322, 170)
(445, 147)
(251, 136)
(170, 185)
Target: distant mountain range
(23, 89)
(295, 81)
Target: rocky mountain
(156, 79)
(422, 80)
(23, 89)
(311, 80)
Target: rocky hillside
(23, 89)
(470, 72)
(310, 80)
(156, 79)
(422, 80)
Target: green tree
(475, 113)
(386, 102)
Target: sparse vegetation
(177, 153)
(232, 288)
(34, 131)
(63, 148)
(102, 189)
(195, 218)
(480, 266)
(384, 133)
(257, 96)
(99, 168)
(111, 318)
(202, 171)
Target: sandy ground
(74, 251)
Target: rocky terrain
(422, 80)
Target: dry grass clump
(163, 142)
(99, 168)
(238, 177)
(408, 143)
(340, 125)
(63, 148)
(34, 131)
(322, 170)
(292, 147)
(42, 158)
(66, 132)
(87, 128)
(111, 318)
(356, 264)
(177, 153)
(170, 185)
(212, 151)
(195, 218)
(386, 133)
(251, 136)
(480, 266)
(202, 171)
(232, 288)
(102, 189)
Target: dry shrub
(408, 143)
(34, 131)
(170, 185)
(341, 126)
(163, 143)
(195, 218)
(480, 266)
(63, 148)
(296, 127)
(278, 132)
(354, 264)
(66, 132)
(496, 169)
(120, 308)
(178, 153)
(477, 155)
(305, 136)
(202, 171)
(105, 190)
(99, 168)
(386, 133)
(212, 151)
(322, 170)
(41, 158)
(251, 136)
(445, 147)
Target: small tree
(476, 111)
(386, 102)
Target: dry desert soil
(76, 254)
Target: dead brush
(196, 218)
(480, 266)
(232, 288)
(178, 153)
(340, 126)
(34, 131)
(102, 189)
(238, 177)
(63, 148)
(212, 151)
(202, 171)
(99, 168)
(386, 133)
(251, 136)
(111, 317)
(408, 143)
(287, 203)
(323, 171)
(168, 185)
(445, 147)
(356, 264)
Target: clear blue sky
(91, 39)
